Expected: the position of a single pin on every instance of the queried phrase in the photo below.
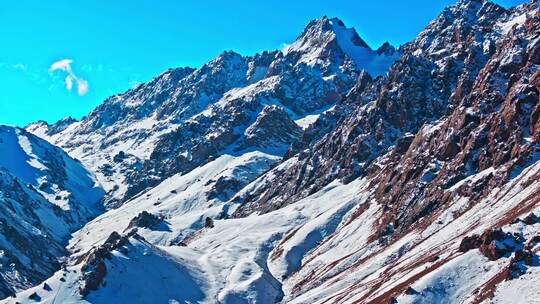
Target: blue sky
(115, 44)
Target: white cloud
(65, 66)
(69, 82)
(82, 87)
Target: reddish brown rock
(493, 244)
(469, 243)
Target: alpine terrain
(325, 172)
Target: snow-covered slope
(421, 186)
(311, 251)
(228, 261)
(57, 177)
(44, 196)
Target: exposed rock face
(494, 244)
(34, 297)
(94, 268)
(479, 135)
(273, 128)
(365, 90)
(531, 219)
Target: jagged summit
(386, 49)
(318, 28)
(327, 40)
(227, 56)
(44, 129)
(63, 121)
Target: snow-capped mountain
(185, 117)
(44, 196)
(327, 172)
(419, 89)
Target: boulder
(145, 220)
(531, 219)
(208, 223)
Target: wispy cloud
(82, 87)
(19, 66)
(69, 82)
(71, 79)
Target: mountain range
(325, 172)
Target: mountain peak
(66, 120)
(318, 28)
(329, 43)
(227, 58)
(466, 7)
(229, 54)
(386, 49)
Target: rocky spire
(386, 49)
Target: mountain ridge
(296, 176)
(183, 99)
